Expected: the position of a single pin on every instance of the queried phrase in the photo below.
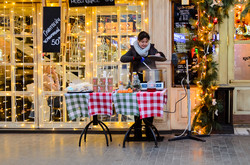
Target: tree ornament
(216, 112)
(210, 25)
(247, 29)
(215, 20)
(214, 102)
(217, 3)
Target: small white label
(185, 2)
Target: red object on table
(151, 103)
(100, 104)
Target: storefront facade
(92, 41)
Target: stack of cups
(110, 84)
(103, 84)
(95, 84)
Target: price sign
(52, 29)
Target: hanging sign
(51, 29)
(78, 3)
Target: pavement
(62, 149)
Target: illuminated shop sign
(78, 3)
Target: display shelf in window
(107, 24)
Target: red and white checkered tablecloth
(151, 103)
(100, 104)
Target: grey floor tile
(48, 149)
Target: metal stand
(188, 133)
(95, 121)
(152, 129)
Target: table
(143, 104)
(90, 104)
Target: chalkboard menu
(51, 29)
(78, 3)
(185, 18)
(184, 29)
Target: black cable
(180, 99)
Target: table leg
(104, 132)
(153, 127)
(107, 130)
(157, 132)
(153, 136)
(84, 131)
(127, 134)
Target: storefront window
(92, 41)
(241, 62)
(17, 62)
(241, 41)
(241, 22)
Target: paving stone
(63, 149)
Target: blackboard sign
(51, 29)
(184, 31)
(77, 3)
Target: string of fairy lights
(211, 14)
(15, 106)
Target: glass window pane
(75, 49)
(76, 23)
(52, 77)
(76, 37)
(107, 49)
(75, 73)
(5, 78)
(241, 62)
(24, 76)
(24, 109)
(53, 108)
(52, 57)
(4, 49)
(107, 24)
(4, 21)
(24, 50)
(5, 108)
(241, 22)
(23, 20)
(130, 19)
(126, 41)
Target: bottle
(136, 82)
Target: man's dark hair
(143, 35)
